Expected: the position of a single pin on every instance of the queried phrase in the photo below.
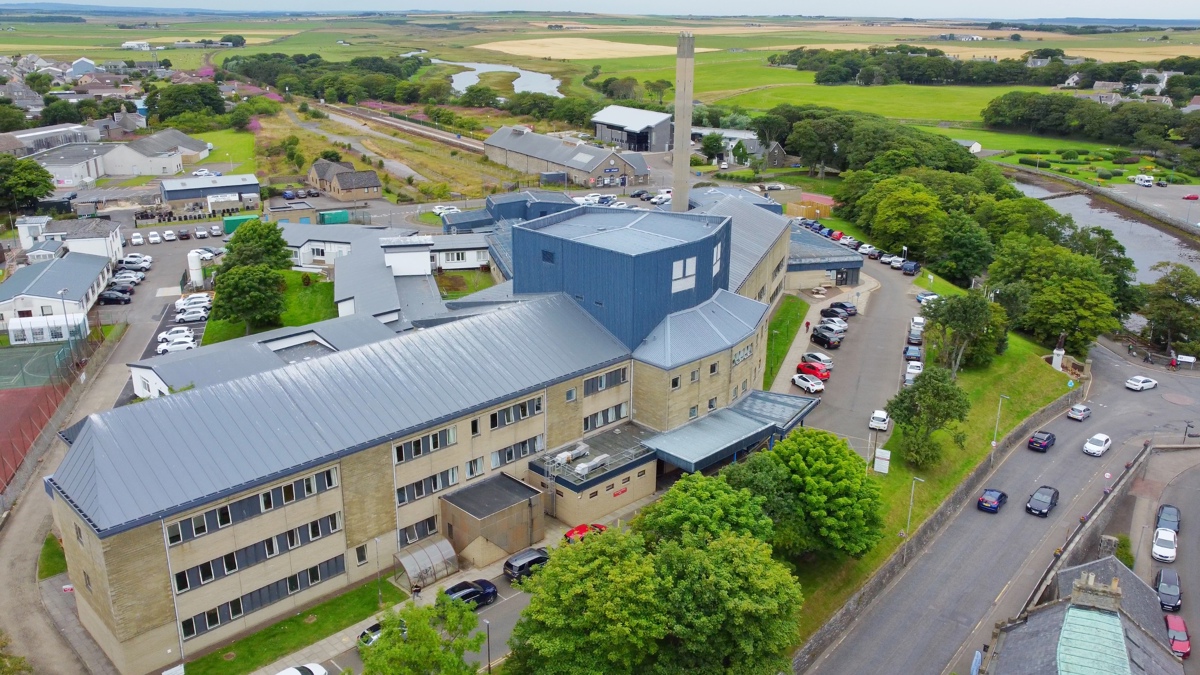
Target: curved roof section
(714, 325)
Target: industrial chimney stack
(685, 64)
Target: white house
(136, 45)
(972, 147)
(93, 236)
(459, 251)
(75, 165)
(63, 286)
(80, 67)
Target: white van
(1144, 181)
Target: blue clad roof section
(629, 232)
(138, 463)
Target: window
(743, 354)
(314, 530)
(293, 538)
(87, 580)
(272, 550)
(601, 382)
(474, 467)
(594, 494)
(289, 493)
(733, 393)
(692, 413)
(360, 554)
(174, 534)
(430, 525)
(418, 489)
(401, 496)
(683, 275)
(743, 386)
(199, 525)
(317, 251)
(212, 618)
(335, 522)
(267, 501)
(331, 477)
(624, 480)
(47, 310)
(548, 256)
(609, 487)
(181, 582)
(716, 267)
(571, 394)
(445, 479)
(310, 485)
(293, 584)
(410, 534)
(606, 416)
(675, 382)
(188, 626)
(696, 375)
(235, 608)
(416, 448)
(641, 473)
(223, 516)
(206, 572)
(230, 562)
(78, 534)
(399, 448)
(712, 404)
(314, 575)
(713, 368)
(475, 427)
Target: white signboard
(883, 458)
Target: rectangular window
(230, 561)
(223, 516)
(212, 618)
(199, 525)
(271, 549)
(401, 496)
(571, 394)
(181, 582)
(188, 626)
(474, 467)
(331, 477)
(314, 575)
(235, 608)
(692, 413)
(743, 386)
(410, 534)
(713, 368)
(289, 493)
(293, 538)
(641, 473)
(696, 375)
(416, 448)
(675, 382)
(712, 404)
(310, 485)
(293, 584)
(548, 256)
(267, 501)
(594, 494)
(78, 534)
(683, 275)
(399, 449)
(625, 480)
(716, 266)
(314, 530)
(174, 534)
(335, 522)
(430, 525)
(609, 487)
(360, 554)
(475, 427)
(733, 393)
(47, 310)
(206, 572)
(418, 489)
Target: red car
(837, 235)
(578, 532)
(1177, 633)
(817, 370)
(1192, 197)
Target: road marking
(335, 665)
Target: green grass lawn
(230, 147)
(900, 101)
(302, 305)
(1019, 373)
(455, 284)
(273, 643)
(430, 218)
(52, 561)
(781, 332)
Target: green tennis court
(31, 366)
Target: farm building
(633, 129)
(972, 147)
(528, 152)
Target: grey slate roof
(325, 169)
(566, 152)
(1138, 599)
(167, 141)
(533, 196)
(701, 197)
(491, 495)
(629, 119)
(355, 180)
(51, 245)
(135, 464)
(252, 354)
(459, 242)
(363, 276)
(75, 272)
(299, 234)
(82, 228)
(754, 232)
(714, 325)
(626, 231)
(72, 154)
(476, 218)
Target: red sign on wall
(620, 492)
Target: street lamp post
(62, 295)
(378, 586)
(907, 534)
(995, 432)
(488, 627)
(1189, 426)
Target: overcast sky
(1009, 9)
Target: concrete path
(61, 606)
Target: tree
(770, 129)
(12, 118)
(331, 155)
(479, 96)
(768, 479)
(61, 112)
(235, 40)
(965, 250)
(1100, 243)
(959, 320)
(933, 401)
(1075, 306)
(701, 508)
(712, 145)
(11, 664)
(1015, 37)
(39, 82)
(257, 243)
(165, 63)
(421, 640)
(657, 88)
(250, 293)
(23, 181)
(240, 118)
(178, 99)
(909, 216)
(1173, 304)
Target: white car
(177, 333)
(917, 323)
(193, 300)
(660, 199)
(817, 357)
(139, 256)
(154, 238)
(898, 262)
(724, 165)
(192, 314)
(835, 322)
(1140, 383)
(175, 346)
(201, 172)
(879, 421)
(1097, 445)
(442, 210)
(1165, 545)
(887, 259)
(914, 368)
(618, 205)
(169, 235)
(808, 383)
(129, 277)
(867, 249)
(136, 239)
(310, 669)
(204, 255)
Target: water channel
(527, 80)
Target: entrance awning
(428, 561)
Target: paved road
(1183, 492)
(983, 566)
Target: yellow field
(578, 48)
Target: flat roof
(492, 495)
(626, 231)
(629, 119)
(72, 153)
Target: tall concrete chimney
(685, 65)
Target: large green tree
(177, 99)
(257, 243)
(23, 181)
(768, 479)
(770, 129)
(930, 404)
(1173, 305)
(965, 250)
(420, 640)
(61, 112)
(712, 144)
(703, 507)
(1101, 244)
(12, 118)
(657, 88)
(958, 322)
(39, 82)
(479, 96)
(909, 217)
(252, 293)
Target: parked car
(876, 254)
(1043, 501)
(829, 331)
(121, 287)
(915, 337)
(201, 172)
(479, 592)
(913, 354)
(1170, 595)
(1140, 383)
(847, 307)
(192, 315)
(215, 230)
(1168, 516)
(369, 636)
(834, 322)
(826, 232)
(879, 421)
(1079, 412)
(991, 500)
(1177, 635)
(1164, 545)
(914, 368)
(605, 200)
(836, 235)
(818, 357)
(154, 238)
(867, 249)
(775, 186)
(1191, 197)
(136, 239)
(134, 262)
(113, 298)
(578, 532)
(129, 277)
(309, 669)
(917, 323)
(923, 298)
(169, 235)
(289, 194)
(184, 234)
(1097, 445)
(1041, 441)
(200, 232)
(887, 258)
(835, 313)
(1162, 183)
(638, 194)
(182, 344)
(194, 300)
(809, 383)
(525, 563)
(911, 268)
(826, 340)
(724, 165)
(177, 333)
(898, 263)
(815, 369)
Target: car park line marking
(335, 665)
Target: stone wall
(840, 623)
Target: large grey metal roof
(138, 463)
(362, 275)
(809, 248)
(70, 155)
(167, 141)
(531, 196)
(754, 233)
(567, 152)
(629, 119)
(714, 325)
(252, 354)
(626, 231)
(201, 182)
(701, 197)
(75, 272)
(299, 234)
(459, 242)
(82, 228)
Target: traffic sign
(1070, 384)
(1107, 475)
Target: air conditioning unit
(569, 456)
(584, 468)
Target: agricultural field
(900, 101)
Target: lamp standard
(911, 494)
(488, 627)
(378, 586)
(996, 431)
(62, 295)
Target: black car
(847, 307)
(913, 354)
(184, 234)
(1168, 517)
(478, 592)
(113, 298)
(525, 563)
(1043, 501)
(825, 339)
(877, 254)
(915, 337)
(646, 197)
(835, 313)
(1041, 441)
(119, 287)
(638, 194)
(1170, 595)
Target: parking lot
(1169, 199)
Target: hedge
(1103, 173)
(1030, 161)
(1127, 160)
(1033, 152)
(1117, 172)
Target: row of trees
(361, 78)
(1126, 123)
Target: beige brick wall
(149, 652)
(139, 585)
(565, 423)
(651, 386)
(762, 276)
(575, 508)
(369, 496)
(799, 281)
(85, 557)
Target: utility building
(633, 129)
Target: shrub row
(737, 177)
(1027, 151)
(1126, 160)
(1077, 151)
(1030, 161)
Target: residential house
(1107, 98)
(93, 236)
(460, 251)
(633, 129)
(1160, 80)
(1036, 63)
(1073, 80)
(776, 156)
(80, 67)
(1192, 105)
(972, 147)
(9, 145)
(64, 288)
(103, 79)
(131, 121)
(349, 186)
(1107, 86)
(519, 148)
(1160, 100)
(22, 96)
